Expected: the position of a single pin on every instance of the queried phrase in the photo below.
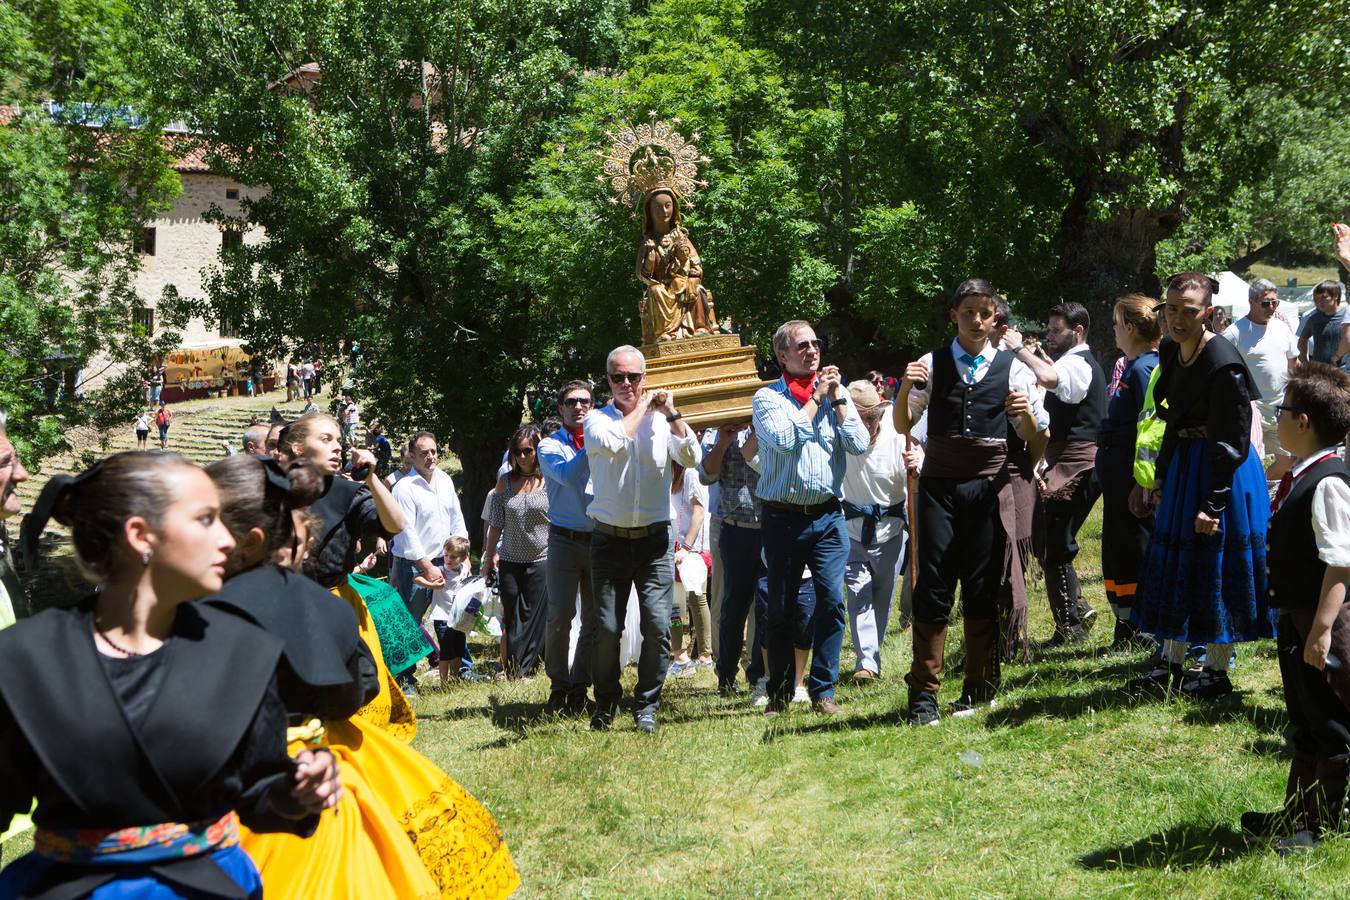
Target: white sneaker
(759, 694)
(800, 695)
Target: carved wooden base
(713, 377)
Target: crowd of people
(232, 617)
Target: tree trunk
(479, 450)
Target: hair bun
(306, 484)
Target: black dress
(183, 735)
(347, 514)
(326, 670)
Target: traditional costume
(968, 521)
(1206, 588)
(1125, 536)
(455, 837)
(143, 767)
(1309, 530)
(1070, 490)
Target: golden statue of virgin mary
(652, 167)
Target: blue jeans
(617, 566)
(417, 599)
(745, 584)
(793, 540)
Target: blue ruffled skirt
(138, 882)
(1207, 588)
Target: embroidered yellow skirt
(403, 829)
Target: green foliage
(71, 198)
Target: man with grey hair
(633, 442)
(12, 474)
(1270, 349)
(806, 424)
(255, 440)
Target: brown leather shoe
(827, 706)
(864, 676)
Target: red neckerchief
(1287, 482)
(802, 388)
(578, 438)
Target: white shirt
(443, 598)
(142, 422)
(1267, 349)
(1020, 378)
(1075, 374)
(878, 477)
(682, 511)
(631, 476)
(431, 514)
(1330, 513)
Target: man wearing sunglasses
(1270, 349)
(632, 442)
(567, 570)
(806, 424)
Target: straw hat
(864, 394)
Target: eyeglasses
(1292, 410)
(523, 451)
(626, 377)
(803, 346)
(578, 401)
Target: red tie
(1286, 483)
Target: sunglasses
(578, 401)
(626, 377)
(803, 346)
(1269, 304)
(523, 451)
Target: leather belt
(640, 531)
(808, 509)
(582, 536)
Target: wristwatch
(839, 401)
(1018, 349)
(674, 416)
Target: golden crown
(647, 158)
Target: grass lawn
(1069, 788)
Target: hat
(864, 394)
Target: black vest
(1293, 569)
(1079, 421)
(968, 410)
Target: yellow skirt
(403, 829)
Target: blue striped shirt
(801, 459)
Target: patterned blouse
(523, 519)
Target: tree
(82, 165)
(391, 138)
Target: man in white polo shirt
(432, 513)
(632, 442)
(1270, 348)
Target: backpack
(162, 418)
(1148, 436)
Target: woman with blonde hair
(1126, 532)
(456, 838)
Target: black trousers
(960, 541)
(1319, 721)
(525, 605)
(1058, 522)
(1125, 536)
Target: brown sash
(1067, 462)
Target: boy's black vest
(1079, 421)
(969, 410)
(1294, 570)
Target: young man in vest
(1076, 402)
(980, 402)
(1308, 561)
